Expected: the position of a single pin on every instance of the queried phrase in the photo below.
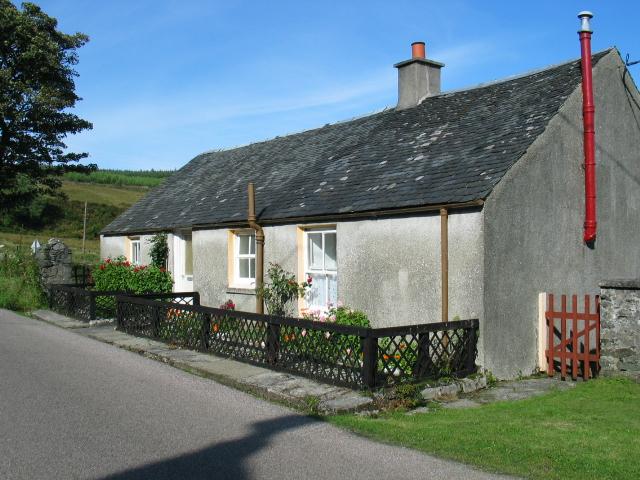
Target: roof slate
(452, 148)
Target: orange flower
(216, 327)
(385, 356)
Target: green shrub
(281, 290)
(159, 251)
(120, 275)
(20, 287)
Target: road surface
(72, 407)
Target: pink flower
(303, 333)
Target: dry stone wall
(54, 260)
(620, 327)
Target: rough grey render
(533, 220)
(620, 327)
(454, 147)
(54, 260)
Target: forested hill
(107, 193)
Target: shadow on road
(220, 460)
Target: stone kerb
(620, 327)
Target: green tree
(37, 90)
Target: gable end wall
(533, 220)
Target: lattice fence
(343, 355)
(82, 303)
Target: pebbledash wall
(533, 219)
(389, 268)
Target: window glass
(322, 267)
(188, 256)
(332, 290)
(245, 257)
(316, 295)
(330, 252)
(135, 251)
(315, 251)
(245, 268)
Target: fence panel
(343, 355)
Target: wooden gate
(573, 337)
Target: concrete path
(72, 407)
(511, 390)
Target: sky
(163, 81)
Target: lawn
(591, 431)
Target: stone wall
(620, 327)
(54, 260)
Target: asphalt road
(72, 407)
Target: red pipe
(588, 118)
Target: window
(245, 258)
(188, 255)
(322, 266)
(136, 256)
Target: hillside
(107, 193)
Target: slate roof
(452, 148)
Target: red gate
(573, 337)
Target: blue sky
(165, 80)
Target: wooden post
(369, 360)
(251, 219)
(84, 226)
(444, 262)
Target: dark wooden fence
(85, 304)
(343, 355)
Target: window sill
(241, 290)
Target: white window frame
(237, 256)
(319, 272)
(136, 250)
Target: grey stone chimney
(417, 78)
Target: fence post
(196, 298)
(471, 349)
(424, 364)
(155, 321)
(273, 345)
(369, 360)
(92, 306)
(204, 329)
(118, 313)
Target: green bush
(281, 290)
(20, 287)
(159, 251)
(120, 275)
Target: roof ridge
(518, 76)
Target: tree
(37, 90)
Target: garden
(335, 345)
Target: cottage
(452, 204)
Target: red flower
(127, 263)
(162, 269)
(102, 267)
(108, 260)
(137, 269)
(309, 280)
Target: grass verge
(590, 431)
